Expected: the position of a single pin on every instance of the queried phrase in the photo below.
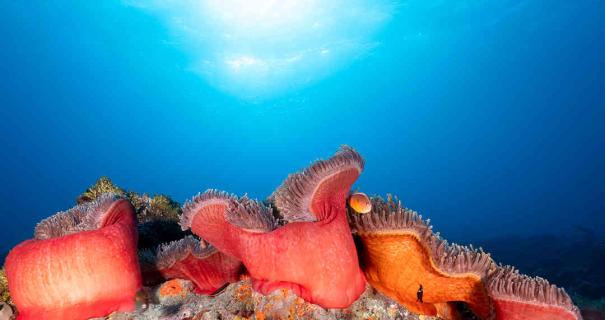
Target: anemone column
(311, 252)
(82, 263)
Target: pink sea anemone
(194, 260)
(520, 297)
(81, 264)
(310, 251)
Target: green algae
(103, 185)
(4, 294)
(147, 208)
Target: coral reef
(6, 311)
(4, 293)
(190, 259)
(82, 263)
(400, 254)
(147, 208)
(157, 216)
(154, 208)
(176, 300)
(101, 187)
(174, 290)
(312, 251)
(301, 259)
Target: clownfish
(360, 202)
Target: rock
(6, 312)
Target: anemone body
(208, 275)
(399, 253)
(80, 275)
(525, 310)
(313, 254)
(398, 264)
(519, 297)
(191, 259)
(316, 260)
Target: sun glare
(263, 48)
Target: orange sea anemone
(403, 259)
(81, 264)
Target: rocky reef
(147, 208)
(4, 293)
(176, 300)
(311, 250)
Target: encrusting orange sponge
(81, 264)
(311, 251)
(194, 260)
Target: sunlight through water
(263, 48)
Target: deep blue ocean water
(486, 116)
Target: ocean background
(488, 117)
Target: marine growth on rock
(147, 208)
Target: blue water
(486, 116)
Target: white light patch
(263, 48)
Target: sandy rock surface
(175, 300)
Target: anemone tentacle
(209, 197)
(293, 197)
(83, 217)
(251, 215)
(191, 259)
(520, 296)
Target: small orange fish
(360, 202)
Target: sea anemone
(81, 264)
(403, 259)
(310, 251)
(520, 297)
(191, 259)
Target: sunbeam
(263, 48)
